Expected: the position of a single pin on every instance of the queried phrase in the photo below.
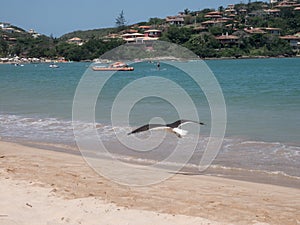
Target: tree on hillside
(156, 21)
(187, 11)
(3, 48)
(178, 35)
(120, 20)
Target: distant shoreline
(150, 59)
(252, 57)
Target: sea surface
(262, 99)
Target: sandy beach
(39, 186)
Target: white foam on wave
(274, 157)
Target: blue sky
(58, 17)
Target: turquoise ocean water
(262, 99)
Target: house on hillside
(132, 37)
(272, 12)
(251, 30)
(145, 27)
(175, 20)
(4, 25)
(76, 40)
(33, 33)
(273, 31)
(228, 39)
(139, 38)
(230, 10)
(293, 40)
(153, 33)
(129, 31)
(213, 15)
(216, 22)
(287, 4)
(10, 30)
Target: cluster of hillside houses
(227, 17)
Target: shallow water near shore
(262, 99)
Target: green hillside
(252, 29)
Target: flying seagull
(172, 127)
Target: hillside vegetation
(192, 34)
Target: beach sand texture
(39, 186)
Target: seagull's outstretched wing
(173, 127)
(148, 127)
(179, 123)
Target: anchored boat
(118, 66)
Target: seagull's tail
(180, 132)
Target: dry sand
(46, 187)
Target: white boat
(118, 66)
(53, 66)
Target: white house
(76, 40)
(4, 25)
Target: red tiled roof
(214, 13)
(254, 31)
(227, 37)
(213, 16)
(290, 37)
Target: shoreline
(66, 178)
(152, 59)
(252, 57)
(238, 174)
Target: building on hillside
(10, 30)
(12, 41)
(4, 25)
(242, 12)
(145, 27)
(33, 33)
(214, 15)
(76, 40)
(129, 31)
(138, 38)
(287, 4)
(272, 12)
(293, 40)
(216, 22)
(153, 33)
(251, 30)
(175, 20)
(230, 9)
(132, 37)
(228, 39)
(274, 31)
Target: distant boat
(118, 66)
(53, 66)
(17, 64)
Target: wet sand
(39, 186)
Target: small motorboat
(53, 66)
(118, 66)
